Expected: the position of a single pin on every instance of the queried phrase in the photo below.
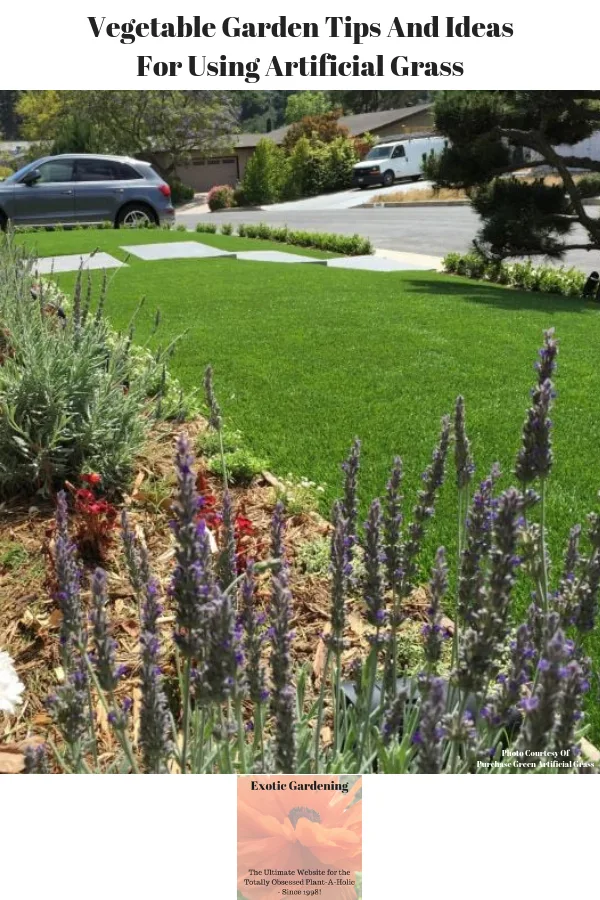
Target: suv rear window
(103, 170)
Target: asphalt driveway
(434, 231)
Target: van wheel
(135, 215)
(388, 178)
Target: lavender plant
(511, 698)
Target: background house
(202, 172)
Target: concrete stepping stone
(277, 256)
(176, 250)
(71, 263)
(376, 264)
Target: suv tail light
(165, 190)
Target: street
(434, 231)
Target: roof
(356, 124)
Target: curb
(413, 203)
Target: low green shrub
(227, 228)
(522, 275)
(345, 244)
(206, 228)
(589, 186)
(241, 464)
(208, 442)
(220, 197)
(74, 395)
(180, 192)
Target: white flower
(10, 686)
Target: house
(202, 172)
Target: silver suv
(77, 188)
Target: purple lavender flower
(215, 419)
(433, 478)
(192, 583)
(534, 459)
(69, 709)
(462, 447)
(340, 571)
(36, 760)
(546, 365)
(154, 740)
(374, 586)
(221, 674)
(282, 702)
(503, 706)
(68, 576)
(107, 672)
(479, 530)
(350, 503)
(482, 643)
(430, 732)
(253, 639)
(588, 587)
(227, 557)
(541, 717)
(433, 631)
(392, 525)
(576, 683)
(393, 719)
(136, 557)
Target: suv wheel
(136, 215)
(3, 221)
(388, 178)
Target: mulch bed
(30, 618)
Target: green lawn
(306, 358)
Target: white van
(400, 158)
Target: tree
(323, 128)
(306, 103)
(492, 135)
(371, 101)
(265, 173)
(8, 114)
(156, 125)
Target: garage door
(204, 173)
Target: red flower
(91, 478)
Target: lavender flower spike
(192, 582)
(430, 733)
(479, 530)
(227, 557)
(104, 645)
(154, 740)
(374, 586)
(215, 419)
(136, 556)
(534, 459)
(392, 527)
(350, 503)
(433, 478)
(282, 699)
(340, 570)
(253, 639)
(462, 447)
(433, 631)
(69, 581)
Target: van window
(379, 153)
(399, 152)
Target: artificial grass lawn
(307, 357)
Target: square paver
(277, 256)
(47, 264)
(375, 264)
(176, 250)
